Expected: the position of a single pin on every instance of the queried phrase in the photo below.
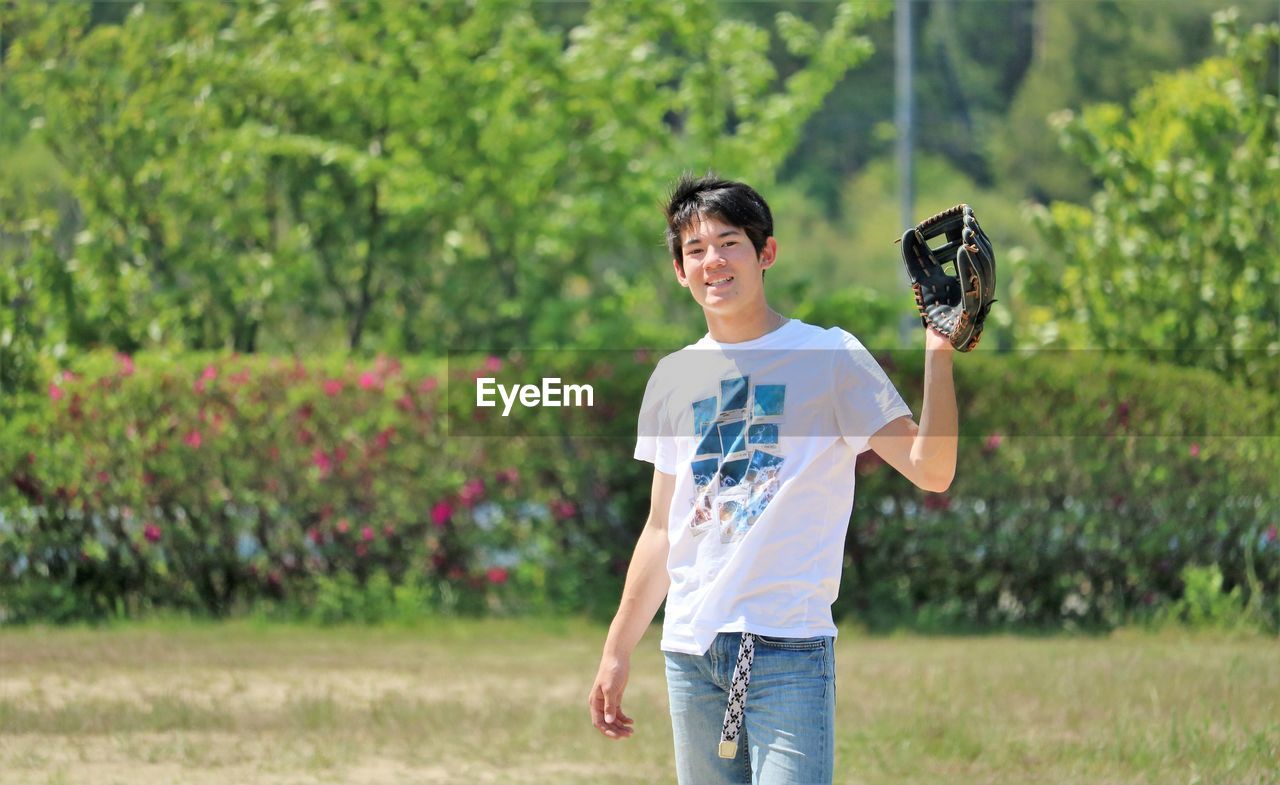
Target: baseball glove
(954, 303)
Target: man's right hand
(605, 700)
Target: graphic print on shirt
(735, 466)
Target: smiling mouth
(719, 282)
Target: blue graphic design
(731, 436)
(732, 472)
(704, 471)
(704, 414)
(770, 399)
(737, 466)
(733, 393)
(710, 444)
(765, 433)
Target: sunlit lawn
(505, 702)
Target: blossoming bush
(327, 488)
(1088, 482)
(337, 489)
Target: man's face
(721, 268)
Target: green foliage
(1176, 252)
(304, 175)
(1084, 53)
(339, 490)
(1087, 481)
(1205, 603)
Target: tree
(1176, 253)
(400, 174)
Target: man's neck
(744, 327)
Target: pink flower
(126, 364)
(1272, 534)
(563, 510)
(361, 549)
(497, 575)
(405, 402)
(492, 364)
(993, 442)
(508, 476)
(366, 534)
(332, 387)
(55, 392)
(151, 532)
(472, 491)
(210, 373)
(368, 381)
(314, 535)
(343, 526)
(1195, 450)
(388, 531)
(384, 438)
(441, 513)
(193, 440)
(322, 462)
(428, 384)
(240, 378)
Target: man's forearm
(935, 444)
(645, 589)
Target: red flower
(126, 364)
(361, 549)
(993, 442)
(321, 460)
(472, 491)
(332, 387)
(1195, 450)
(441, 513)
(366, 534)
(388, 531)
(1272, 534)
(405, 402)
(314, 535)
(563, 510)
(497, 575)
(193, 440)
(427, 385)
(151, 532)
(55, 392)
(384, 438)
(368, 381)
(937, 502)
(508, 476)
(343, 526)
(239, 378)
(492, 364)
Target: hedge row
(216, 484)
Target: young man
(753, 432)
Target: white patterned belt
(737, 697)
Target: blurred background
(247, 247)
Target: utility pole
(903, 110)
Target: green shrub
(339, 490)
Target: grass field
(505, 702)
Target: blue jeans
(789, 732)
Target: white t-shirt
(762, 437)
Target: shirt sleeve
(866, 400)
(655, 436)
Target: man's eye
(731, 243)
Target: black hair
(737, 204)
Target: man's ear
(769, 254)
(680, 276)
